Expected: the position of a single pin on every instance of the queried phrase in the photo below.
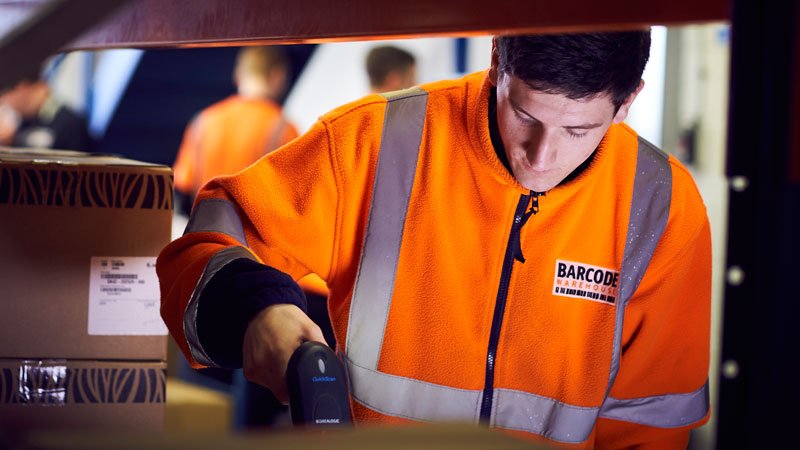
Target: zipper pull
(532, 206)
(535, 202)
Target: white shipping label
(124, 298)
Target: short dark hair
(385, 59)
(577, 65)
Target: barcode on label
(114, 289)
(119, 276)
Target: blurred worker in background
(390, 68)
(231, 134)
(31, 116)
(500, 249)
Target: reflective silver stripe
(652, 194)
(217, 215)
(417, 400)
(664, 411)
(523, 411)
(412, 399)
(397, 161)
(217, 262)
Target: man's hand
(269, 341)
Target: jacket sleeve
(661, 390)
(250, 235)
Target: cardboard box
(79, 235)
(81, 395)
(194, 408)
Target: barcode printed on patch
(580, 293)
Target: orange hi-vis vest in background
(227, 137)
(580, 316)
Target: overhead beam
(183, 23)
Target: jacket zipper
(513, 252)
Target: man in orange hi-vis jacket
(500, 249)
(233, 133)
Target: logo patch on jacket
(585, 281)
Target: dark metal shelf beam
(180, 23)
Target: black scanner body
(318, 391)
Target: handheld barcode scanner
(318, 394)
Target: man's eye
(523, 119)
(575, 135)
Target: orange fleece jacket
(304, 209)
(228, 136)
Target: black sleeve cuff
(231, 298)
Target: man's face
(547, 136)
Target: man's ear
(493, 69)
(622, 112)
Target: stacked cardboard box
(194, 408)
(81, 339)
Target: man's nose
(541, 148)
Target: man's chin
(538, 184)
(537, 180)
